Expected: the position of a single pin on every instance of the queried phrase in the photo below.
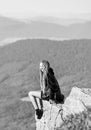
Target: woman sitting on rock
(50, 89)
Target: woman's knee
(36, 94)
(30, 94)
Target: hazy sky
(32, 8)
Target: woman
(50, 90)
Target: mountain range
(51, 28)
(19, 62)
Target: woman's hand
(52, 101)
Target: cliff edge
(73, 114)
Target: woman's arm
(41, 79)
(44, 83)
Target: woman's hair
(46, 64)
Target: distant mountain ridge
(11, 28)
(56, 20)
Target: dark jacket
(52, 89)
(51, 80)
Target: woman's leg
(35, 97)
(36, 100)
(40, 103)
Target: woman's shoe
(39, 113)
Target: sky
(56, 8)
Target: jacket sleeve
(52, 82)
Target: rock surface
(72, 114)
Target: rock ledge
(72, 114)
